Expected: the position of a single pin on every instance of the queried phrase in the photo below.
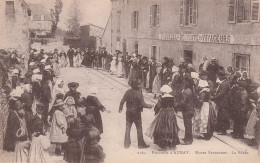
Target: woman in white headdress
(164, 129)
(157, 81)
(113, 68)
(120, 71)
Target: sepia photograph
(129, 81)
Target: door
(187, 55)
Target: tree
(55, 14)
(73, 21)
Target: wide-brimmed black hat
(135, 84)
(2, 51)
(73, 84)
(103, 47)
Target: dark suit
(187, 113)
(221, 99)
(166, 76)
(70, 55)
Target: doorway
(187, 55)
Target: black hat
(135, 84)
(103, 47)
(242, 83)
(3, 51)
(144, 57)
(73, 84)
(221, 73)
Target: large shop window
(135, 20)
(241, 11)
(155, 15)
(188, 12)
(241, 62)
(9, 9)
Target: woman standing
(63, 59)
(113, 68)
(205, 116)
(120, 71)
(164, 129)
(157, 80)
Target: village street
(111, 89)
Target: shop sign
(213, 38)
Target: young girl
(70, 109)
(58, 127)
(40, 144)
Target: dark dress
(72, 152)
(13, 125)
(93, 106)
(164, 129)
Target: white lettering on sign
(214, 38)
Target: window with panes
(118, 20)
(241, 11)
(188, 12)
(241, 62)
(9, 8)
(155, 15)
(135, 20)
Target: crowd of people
(42, 112)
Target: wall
(212, 19)
(14, 33)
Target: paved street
(111, 90)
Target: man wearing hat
(134, 103)
(221, 98)
(144, 69)
(73, 92)
(152, 69)
(70, 55)
(213, 68)
(104, 56)
(239, 110)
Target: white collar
(166, 95)
(39, 115)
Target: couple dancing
(164, 128)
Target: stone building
(228, 30)
(41, 21)
(90, 36)
(14, 31)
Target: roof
(37, 10)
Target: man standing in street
(134, 103)
(70, 55)
(221, 100)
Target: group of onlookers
(43, 112)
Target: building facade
(228, 30)
(91, 36)
(41, 21)
(14, 26)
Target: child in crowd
(40, 144)
(58, 127)
(70, 109)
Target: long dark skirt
(164, 129)
(72, 152)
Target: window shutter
(137, 17)
(150, 51)
(232, 11)
(158, 57)
(132, 20)
(195, 12)
(151, 12)
(182, 13)
(255, 10)
(158, 15)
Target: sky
(92, 11)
